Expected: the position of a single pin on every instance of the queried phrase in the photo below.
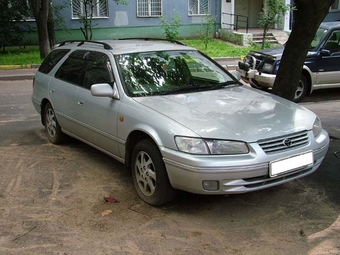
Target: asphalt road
(51, 199)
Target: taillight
(33, 82)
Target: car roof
(124, 46)
(329, 25)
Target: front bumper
(237, 174)
(256, 78)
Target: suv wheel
(54, 133)
(301, 90)
(149, 174)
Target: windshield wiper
(198, 88)
(223, 84)
(184, 89)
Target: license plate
(290, 164)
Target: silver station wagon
(175, 118)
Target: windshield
(166, 72)
(320, 34)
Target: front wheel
(149, 174)
(301, 90)
(54, 133)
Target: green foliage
(11, 30)
(219, 48)
(171, 28)
(207, 29)
(20, 56)
(266, 45)
(272, 14)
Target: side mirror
(325, 52)
(104, 90)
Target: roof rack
(152, 39)
(81, 42)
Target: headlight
(317, 127)
(206, 146)
(267, 68)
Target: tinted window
(98, 70)
(51, 60)
(73, 69)
(333, 42)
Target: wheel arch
(44, 102)
(308, 75)
(133, 138)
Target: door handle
(80, 102)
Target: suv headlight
(210, 146)
(317, 127)
(267, 68)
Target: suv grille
(250, 60)
(284, 143)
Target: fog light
(211, 185)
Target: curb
(13, 67)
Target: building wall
(123, 21)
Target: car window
(52, 59)
(73, 69)
(332, 43)
(150, 73)
(98, 70)
(320, 34)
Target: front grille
(284, 143)
(250, 60)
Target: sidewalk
(17, 74)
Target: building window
(81, 8)
(198, 7)
(149, 8)
(23, 7)
(336, 6)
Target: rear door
(63, 89)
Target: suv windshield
(320, 34)
(166, 72)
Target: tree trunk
(309, 15)
(51, 31)
(40, 10)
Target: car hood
(236, 113)
(273, 52)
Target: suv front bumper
(256, 78)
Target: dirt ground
(52, 202)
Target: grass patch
(216, 48)
(219, 48)
(20, 56)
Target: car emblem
(287, 142)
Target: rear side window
(52, 59)
(73, 69)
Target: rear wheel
(301, 90)
(54, 133)
(149, 174)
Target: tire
(301, 90)
(54, 133)
(149, 174)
